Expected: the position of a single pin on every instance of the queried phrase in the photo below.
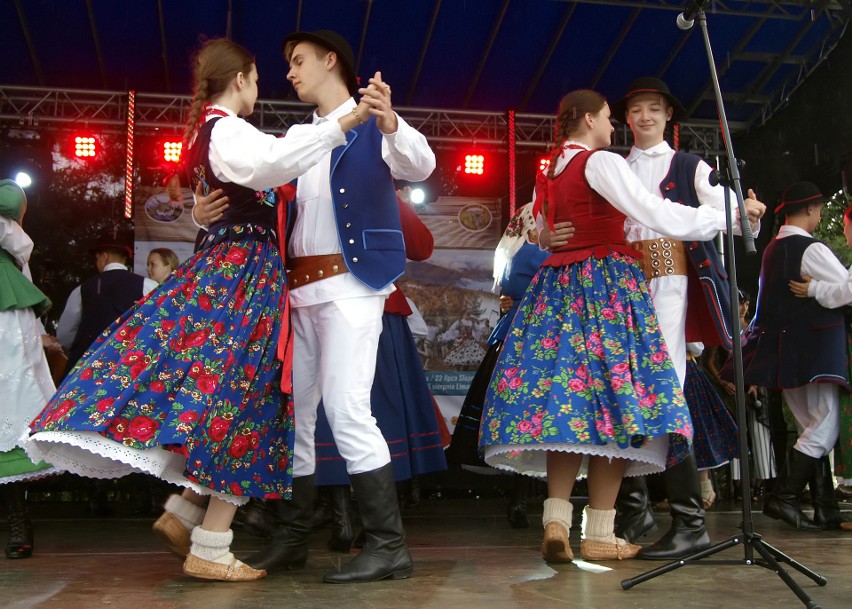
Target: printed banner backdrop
(162, 219)
(452, 292)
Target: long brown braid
(214, 67)
(572, 111)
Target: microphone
(686, 19)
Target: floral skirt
(715, 441)
(584, 369)
(191, 369)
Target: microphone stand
(750, 540)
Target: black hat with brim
(799, 195)
(647, 84)
(112, 247)
(333, 42)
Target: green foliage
(830, 229)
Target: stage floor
(466, 556)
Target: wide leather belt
(661, 257)
(307, 269)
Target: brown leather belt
(307, 269)
(661, 257)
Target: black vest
(708, 316)
(792, 341)
(246, 206)
(104, 297)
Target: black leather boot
(687, 534)
(783, 502)
(826, 511)
(385, 554)
(257, 517)
(323, 514)
(20, 543)
(634, 515)
(341, 523)
(516, 511)
(289, 546)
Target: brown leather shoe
(846, 526)
(555, 547)
(598, 550)
(207, 569)
(172, 533)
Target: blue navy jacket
(708, 316)
(365, 207)
(792, 341)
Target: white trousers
(669, 296)
(335, 360)
(816, 407)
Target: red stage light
(543, 163)
(172, 151)
(85, 146)
(474, 164)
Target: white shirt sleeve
(829, 292)
(148, 286)
(407, 153)
(15, 241)
(610, 176)
(241, 154)
(714, 196)
(69, 321)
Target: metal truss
(794, 10)
(40, 107)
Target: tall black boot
(341, 523)
(20, 543)
(289, 546)
(687, 533)
(516, 511)
(634, 514)
(826, 511)
(783, 502)
(385, 554)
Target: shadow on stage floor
(466, 556)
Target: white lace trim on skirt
(531, 459)
(91, 455)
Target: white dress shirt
(407, 154)
(651, 166)
(242, 154)
(610, 176)
(832, 295)
(820, 263)
(69, 321)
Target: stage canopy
(484, 55)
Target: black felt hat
(333, 42)
(647, 84)
(106, 246)
(799, 195)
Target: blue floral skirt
(191, 369)
(585, 369)
(715, 431)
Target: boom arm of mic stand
(748, 236)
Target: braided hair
(214, 67)
(572, 111)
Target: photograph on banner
(451, 293)
(163, 219)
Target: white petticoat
(531, 459)
(89, 454)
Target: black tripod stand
(769, 556)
